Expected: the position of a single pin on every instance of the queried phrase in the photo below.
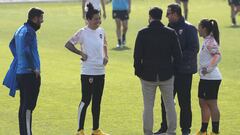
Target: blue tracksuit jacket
(26, 58)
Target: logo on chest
(180, 31)
(101, 36)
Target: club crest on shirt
(90, 79)
(180, 31)
(100, 35)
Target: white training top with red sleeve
(209, 48)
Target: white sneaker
(118, 46)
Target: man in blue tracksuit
(27, 67)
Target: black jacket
(188, 39)
(156, 50)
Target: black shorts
(208, 89)
(234, 2)
(120, 14)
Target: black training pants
(29, 86)
(182, 87)
(92, 89)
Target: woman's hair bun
(90, 7)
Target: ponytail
(215, 30)
(211, 27)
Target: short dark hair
(91, 11)
(35, 11)
(175, 8)
(156, 13)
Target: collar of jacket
(177, 24)
(155, 24)
(33, 25)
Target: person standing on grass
(188, 38)
(121, 10)
(157, 51)
(24, 73)
(96, 4)
(235, 8)
(185, 7)
(94, 59)
(210, 76)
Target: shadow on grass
(121, 48)
(233, 26)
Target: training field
(122, 104)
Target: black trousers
(182, 87)
(29, 88)
(92, 89)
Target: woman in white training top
(94, 59)
(210, 76)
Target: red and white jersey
(209, 48)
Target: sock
(215, 126)
(234, 20)
(119, 41)
(123, 37)
(204, 127)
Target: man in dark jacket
(156, 52)
(188, 38)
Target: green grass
(122, 105)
